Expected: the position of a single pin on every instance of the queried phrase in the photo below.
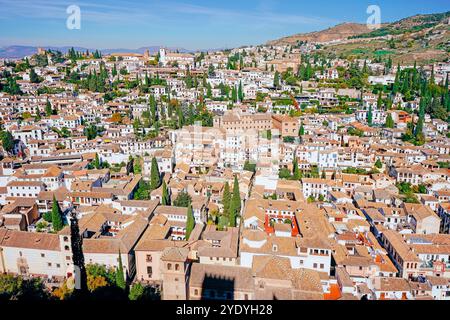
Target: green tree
(301, 132)
(370, 116)
(57, 220)
(296, 171)
(76, 242)
(378, 164)
(240, 92)
(250, 166)
(137, 167)
(143, 191)
(155, 176)
(380, 100)
(183, 200)
(96, 163)
(37, 117)
(120, 277)
(48, 109)
(190, 223)
(389, 122)
(136, 292)
(7, 141)
(165, 201)
(17, 288)
(226, 198)
(34, 78)
(284, 174)
(98, 270)
(235, 205)
(276, 81)
(234, 95)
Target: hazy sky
(192, 24)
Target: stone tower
(175, 271)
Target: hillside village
(257, 173)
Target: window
(149, 258)
(196, 292)
(42, 255)
(149, 271)
(49, 264)
(315, 265)
(169, 266)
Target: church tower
(175, 271)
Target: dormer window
(275, 248)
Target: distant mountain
(18, 51)
(339, 32)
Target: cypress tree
(389, 121)
(235, 207)
(96, 162)
(234, 95)
(76, 240)
(432, 78)
(226, 198)
(114, 70)
(378, 164)
(190, 223)
(155, 176)
(240, 92)
(33, 76)
(57, 221)
(153, 109)
(397, 80)
(165, 201)
(276, 80)
(370, 116)
(120, 277)
(380, 101)
(297, 173)
(301, 132)
(419, 129)
(48, 109)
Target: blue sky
(192, 24)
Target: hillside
(339, 32)
(422, 38)
(413, 24)
(346, 31)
